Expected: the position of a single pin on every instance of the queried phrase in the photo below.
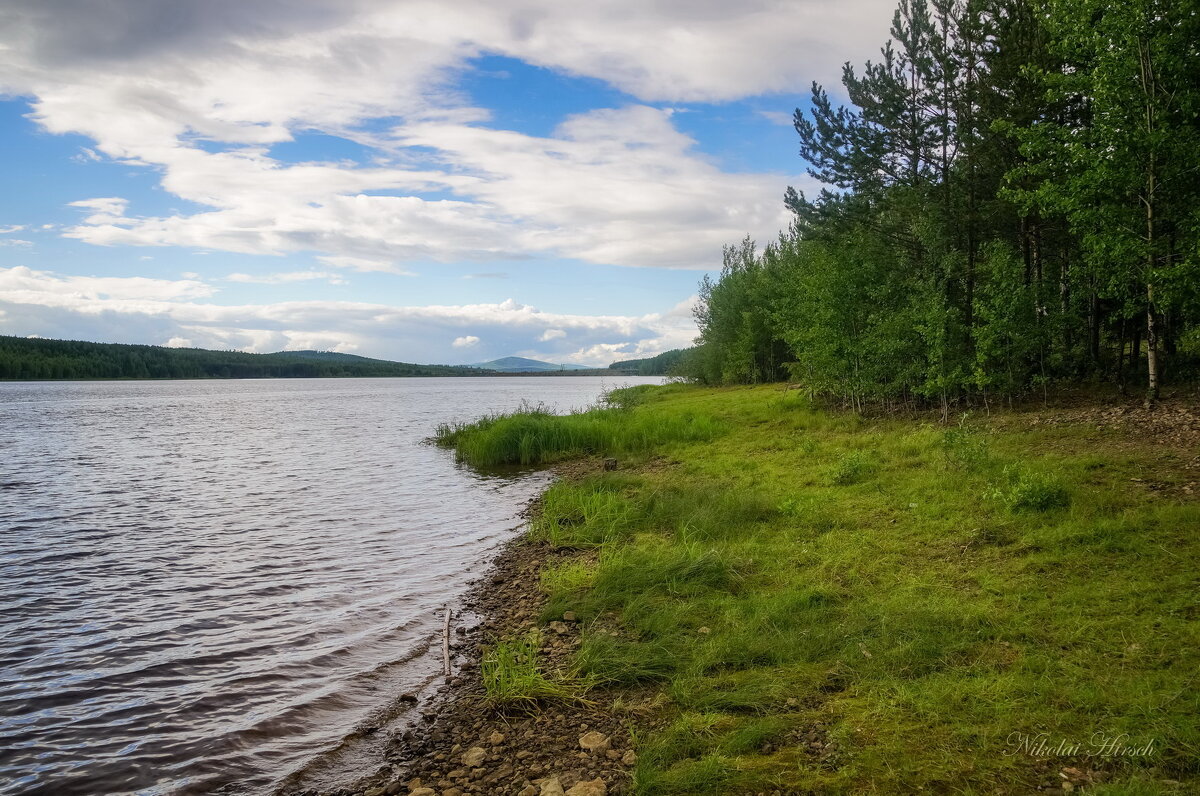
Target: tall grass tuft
(511, 676)
(534, 435)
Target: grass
(534, 435)
(831, 604)
(513, 678)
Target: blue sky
(410, 180)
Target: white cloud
(286, 277)
(179, 342)
(12, 229)
(15, 242)
(148, 83)
(136, 310)
(105, 210)
(24, 285)
(551, 334)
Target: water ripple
(206, 583)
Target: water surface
(205, 583)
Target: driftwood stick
(446, 644)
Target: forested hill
(660, 365)
(35, 358)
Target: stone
(474, 756)
(528, 790)
(594, 741)
(629, 758)
(610, 464)
(568, 616)
(559, 627)
(704, 631)
(594, 787)
(496, 738)
(374, 792)
(551, 787)
(422, 792)
(452, 792)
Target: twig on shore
(446, 644)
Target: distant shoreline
(591, 373)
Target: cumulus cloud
(200, 90)
(139, 310)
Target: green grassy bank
(786, 598)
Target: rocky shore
(461, 744)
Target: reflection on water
(207, 582)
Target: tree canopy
(1012, 200)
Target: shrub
(851, 468)
(1024, 490)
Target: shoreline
(734, 615)
(445, 740)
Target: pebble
(629, 758)
(551, 787)
(569, 616)
(496, 738)
(594, 787)
(474, 756)
(594, 741)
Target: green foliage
(511, 676)
(1022, 489)
(964, 446)
(36, 358)
(912, 624)
(1017, 205)
(660, 365)
(850, 468)
(534, 435)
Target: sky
(422, 181)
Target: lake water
(203, 584)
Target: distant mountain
(523, 365)
(38, 358)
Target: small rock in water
(474, 756)
(594, 741)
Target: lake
(205, 584)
